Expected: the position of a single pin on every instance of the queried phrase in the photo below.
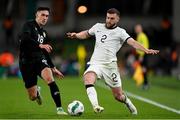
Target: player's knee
(89, 79)
(49, 79)
(32, 97)
(46, 74)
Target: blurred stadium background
(160, 19)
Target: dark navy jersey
(30, 37)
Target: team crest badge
(44, 34)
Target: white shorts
(108, 72)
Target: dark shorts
(144, 62)
(30, 71)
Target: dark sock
(55, 93)
(90, 85)
(145, 79)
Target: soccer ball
(75, 108)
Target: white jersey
(108, 43)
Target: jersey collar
(112, 27)
(37, 25)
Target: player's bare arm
(80, 35)
(47, 47)
(57, 72)
(138, 46)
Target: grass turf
(14, 102)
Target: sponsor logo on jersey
(44, 34)
(121, 41)
(44, 61)
(112, 33)
(36, 28)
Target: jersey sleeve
(124, 36)
(91, 31)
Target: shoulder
(100, 24)
(120, 29)
(29, 24)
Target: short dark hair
(43, 8)
(113, 11)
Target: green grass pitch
(14, 102)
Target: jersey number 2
(114, 76)
(103, 38)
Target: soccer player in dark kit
(34, 59)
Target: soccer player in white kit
(103, 63)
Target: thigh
(91, 74)
(43, 70)
(95, 69)
(28, 74)
(40, 65)
(90, 78)
(111, 76)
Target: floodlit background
(159, 18)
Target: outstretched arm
(138, 46)
(80, 35)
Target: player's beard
(111, 26)
(43, 22)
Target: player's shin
(92, 94)
(129, 104)
(124, 99)
(55, 93)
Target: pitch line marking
(152, 102)
(145, 100)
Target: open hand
(57, 72)
(71, 35)
(151, 51)
(47, 47)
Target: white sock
(92, 95)
(128, 101)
